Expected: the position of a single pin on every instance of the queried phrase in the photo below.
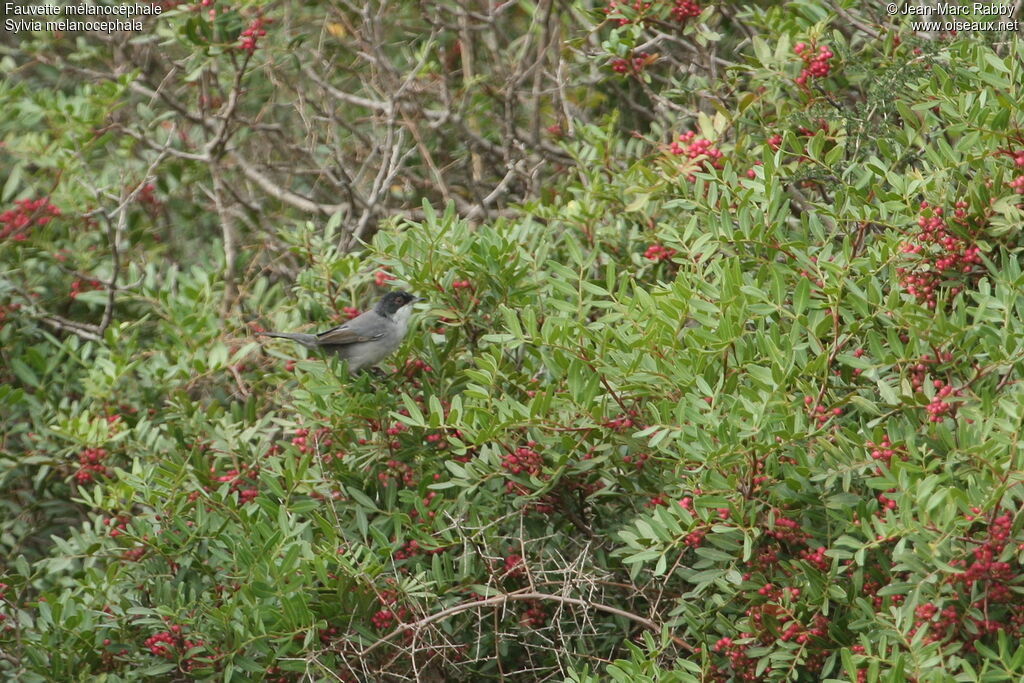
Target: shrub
(735, 397)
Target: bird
(368, 338)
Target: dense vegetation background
(719, 378)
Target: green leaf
(801, 295)
(24, 372)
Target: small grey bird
(368, 338)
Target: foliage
(728, 388)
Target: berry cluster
(524, 459)
(820, 413)
(884, 450)
(317, 442)
(657, 252)
(614, 10)
(816, 557)
(437, 440)
(638, 461)
(534, 616)
(147, 197)
(390, 613)
(15, 223)
(427, 500)
(886, 504)
(684, 10)
(1017, 184)
(162, 644)
(787, 531)
(254, 32)
(328, 634)
(744, 667)
(90, 465)
(211, 12)
(624, 421)
(415, 366)
(771, 621)
(940, 257)
(816, 64)
(774, 621)
(171, 644)
(949, 625)
(545, 504)
(134, 554)
(858, 353)
(118, 525)
(939, 629)
(514, 566)
(633, 65)
(681, 10)
(398, 472)
(242, 481)
(382, 619)
(79, 285)
(695, 538)
(382, 277)
(699, 149)
(992, 575)
(919, 370)
(410, 548)
(941, 407)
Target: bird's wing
(349, 333)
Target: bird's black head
(392, 301)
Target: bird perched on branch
(368, 338)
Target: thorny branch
(524, 594)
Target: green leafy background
(585, 463)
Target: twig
(228, 234)
(854, 21)
(245, 393)
(524, 594)
(282, 194)
(480, 209)
(61, 324)
(214, 149)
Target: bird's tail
(307, 340)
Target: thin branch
(228, 235)
(854, 21)
(283, 194)
(215, 147)
(480, 208)
(61, 324)
(524, 594)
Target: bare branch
(525, 594)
